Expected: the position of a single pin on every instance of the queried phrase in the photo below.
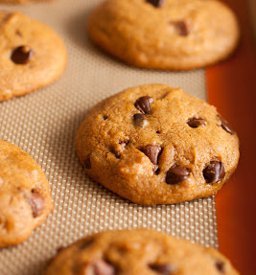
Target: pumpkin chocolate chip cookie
(31, 55)
(154, 144)
(138, 252)
(165, 34)
(23, 1)
(25, 199)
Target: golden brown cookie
(138, 252)
(25, 199)
(154, 144)
(31, 55)
(165, 34)
(23, 1)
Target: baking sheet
(44, 124)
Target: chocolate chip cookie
(31, 55)
(25, 199)
(165, 34)
(22, 1)
(154, 144)
(138, 252)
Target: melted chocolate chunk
(195, 122)
(115, 152)
(177, 174)
(143, 104)
(214, 172)
(99, 267)
(36, 202)
(226, 126)
(181, 27)
(162, 269)
(21, 55)
(152, 152)
(220, 266)
(156, 3)
(140, 120)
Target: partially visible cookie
(22, 1)
(138, 252)
(32, 55)
(165, 34)
(25, 199)
(154, 144)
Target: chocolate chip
(100, 267)
(220, 266)
(152, 152)
(156, 3)
(87, 163)
(21, 55)
(105, 117)
(177, 174)
(163, 269)
(226, 126)
(181, 27)
(140, 120)
(195, 122)
(214, 172)
(143, 104)
(37, 203)
(114, 152)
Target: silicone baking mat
(44, 124)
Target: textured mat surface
(44, 124)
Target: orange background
(232, 88)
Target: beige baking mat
(44, 124)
